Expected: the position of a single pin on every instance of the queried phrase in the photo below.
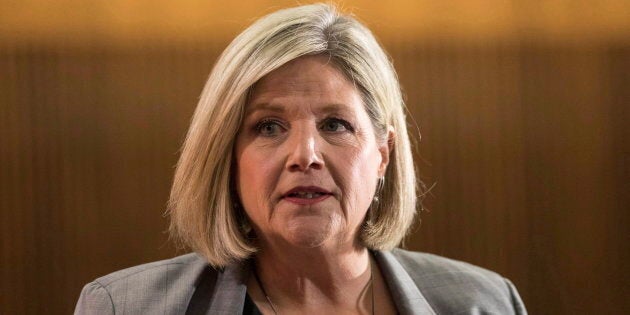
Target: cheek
(255, 178)
(357, 171)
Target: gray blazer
(419, 284)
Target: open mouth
(306, 195)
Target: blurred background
(522, 106)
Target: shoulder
(452, 286)
(432, 267)
(154, 271)
(165, 285)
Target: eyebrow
(328, 108)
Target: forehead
(309, 81)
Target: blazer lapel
(406, 295)
(230, 298)
(220, 291)
(204, 286)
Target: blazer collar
(230, 288)
(404, 291)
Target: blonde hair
(202, 204)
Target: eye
(336, 125)
(268, 128)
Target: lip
(304, 201)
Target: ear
(385, 148)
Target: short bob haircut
(203, 206)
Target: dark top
(250, 307)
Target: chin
(309, 232)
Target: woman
(295, 184)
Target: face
(307, 157)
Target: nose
(303, 150)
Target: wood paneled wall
(525, 144)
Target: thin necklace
(273, 307)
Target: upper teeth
(307, 195)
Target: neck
(303, 278)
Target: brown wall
(524, 140)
